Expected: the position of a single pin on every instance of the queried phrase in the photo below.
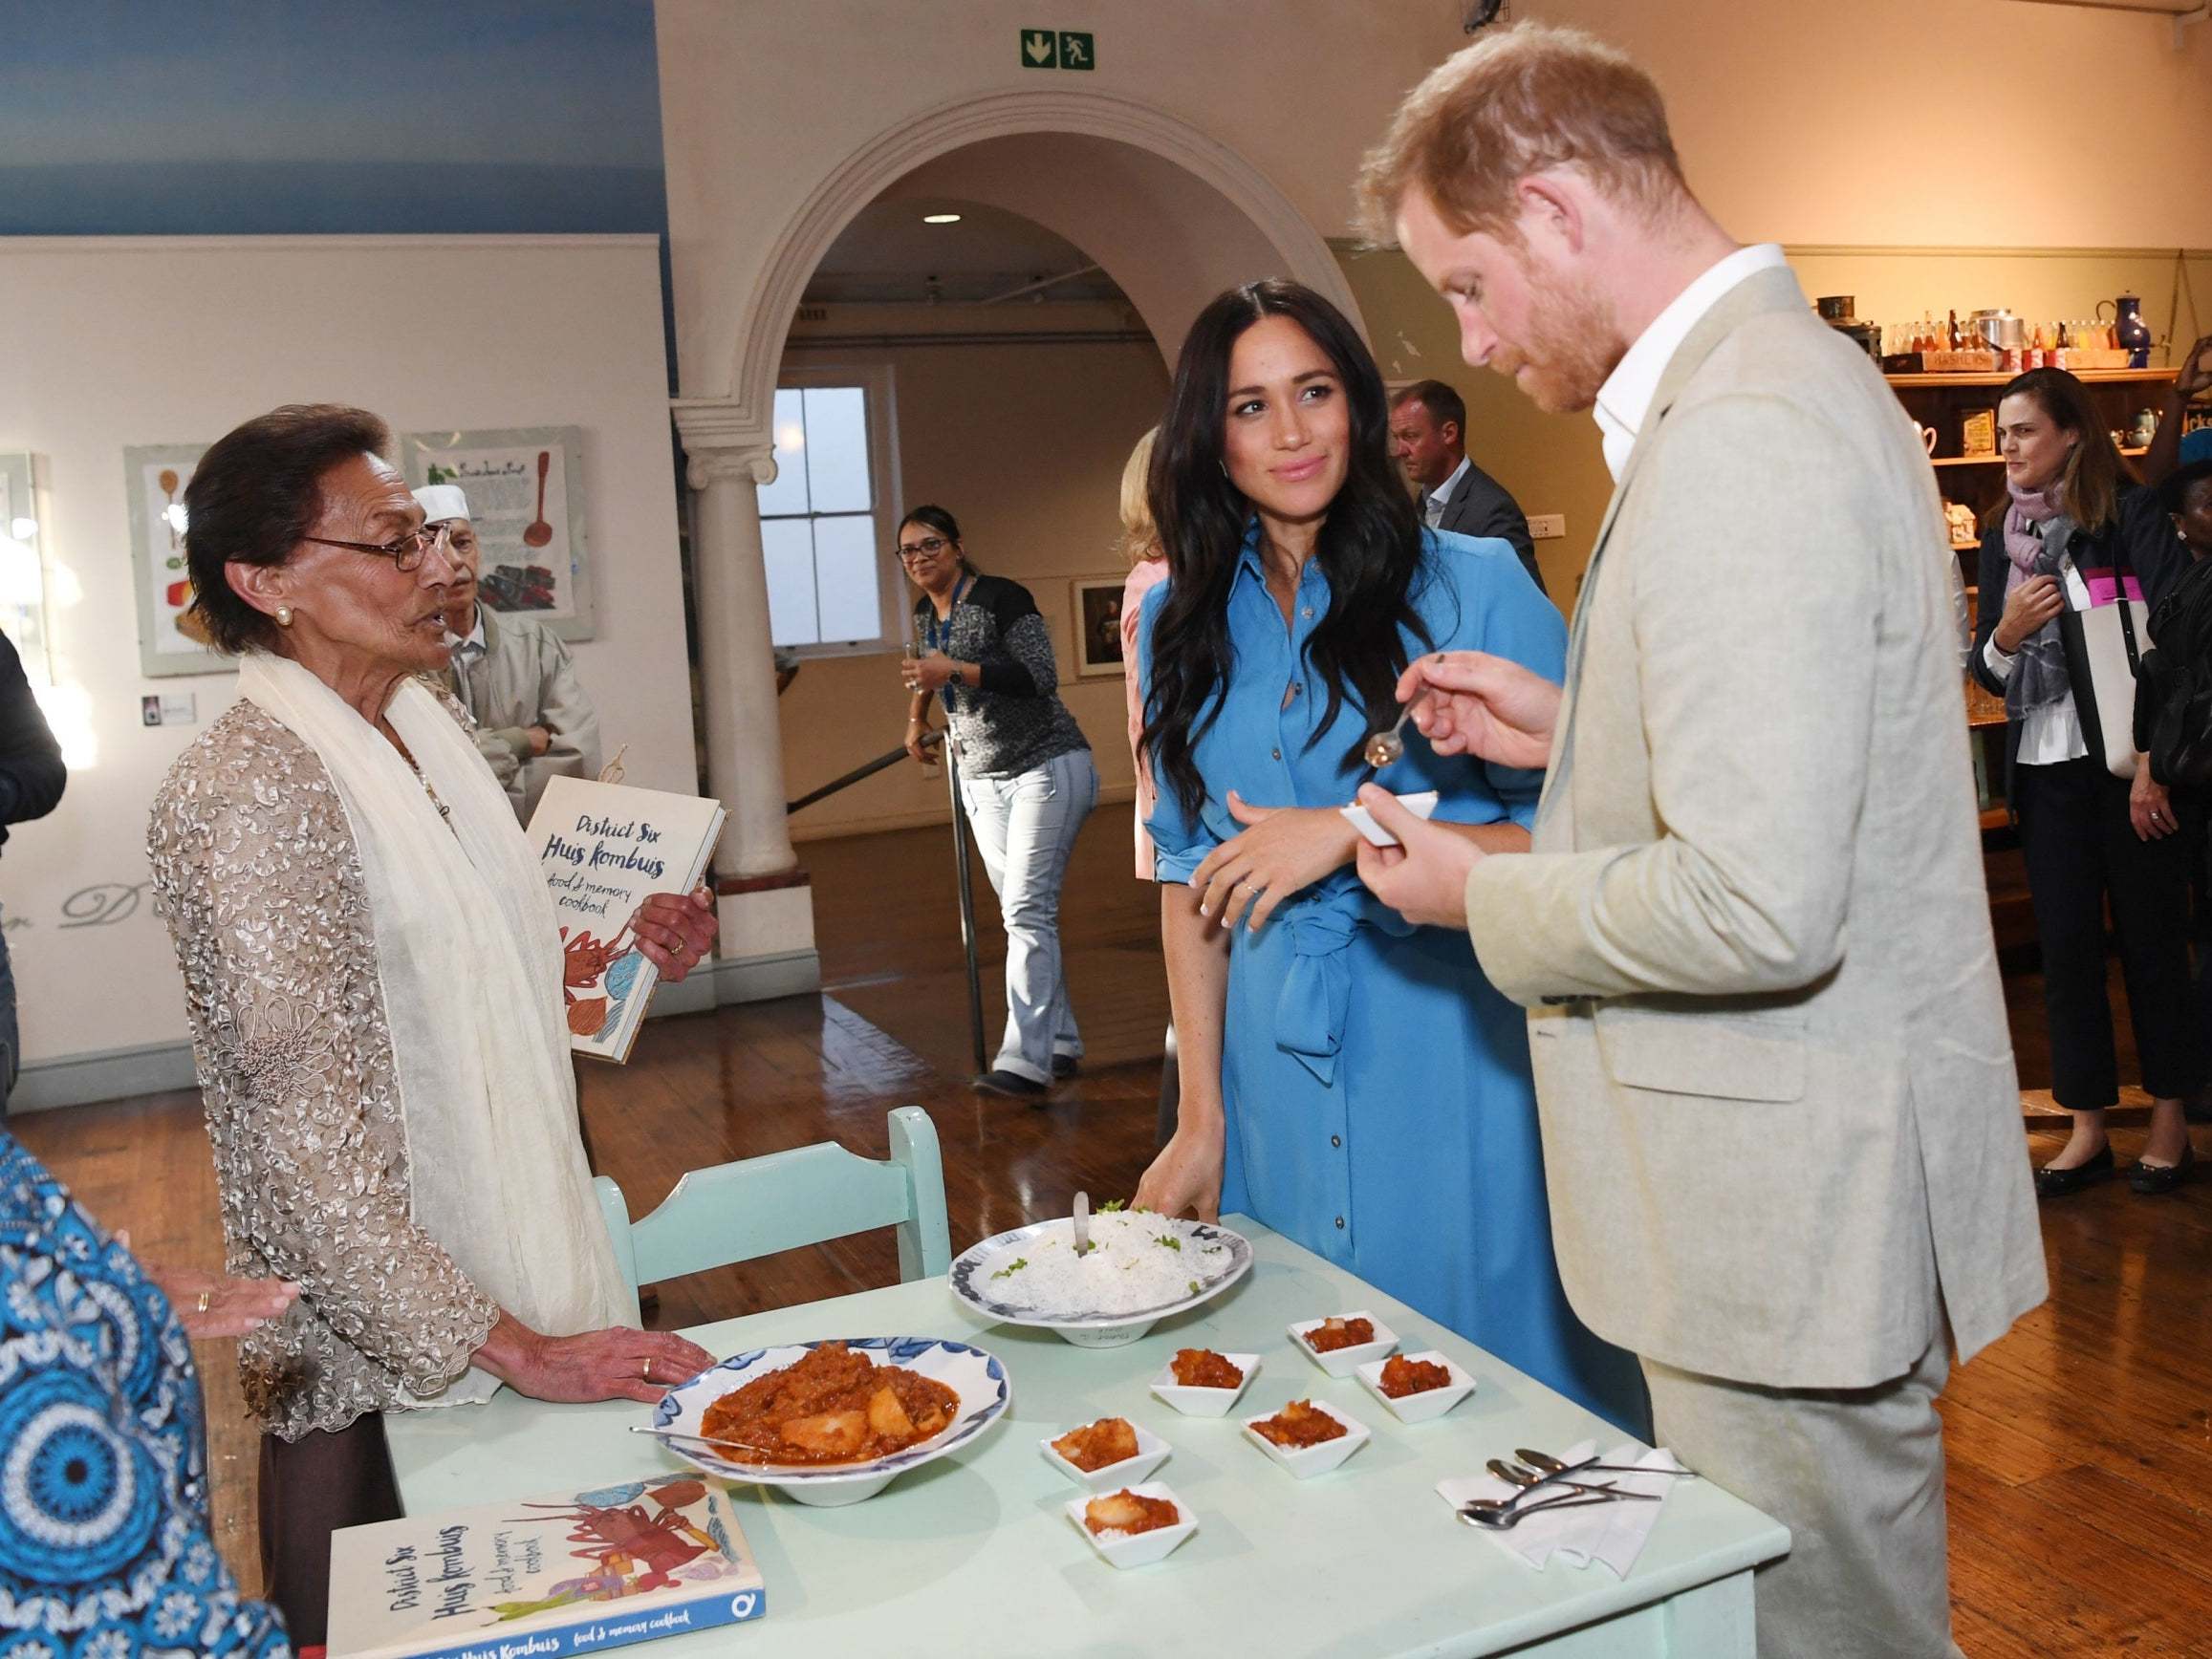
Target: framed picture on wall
(1097, 605)
(526, 498)
(155, 475)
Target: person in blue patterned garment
(104, 1540)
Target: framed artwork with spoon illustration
(526, 498)
(155, 475)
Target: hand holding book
(675, 929)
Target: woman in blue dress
(1351, 1080)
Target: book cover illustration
(572, 1573)
(605, 848)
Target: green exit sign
(1058, 49)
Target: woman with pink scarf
(2086, 835)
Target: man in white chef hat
(515, 679)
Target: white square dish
(1429, 1403)
(1138, 1549)
(1151, 1452)
(1344, 1361)
(1308, 1461)
(1421, 805)
(1205, 1402)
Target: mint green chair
(758, 1206)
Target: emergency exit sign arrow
(1040, 47)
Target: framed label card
(526, 498)
(155, 475)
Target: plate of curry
(833, 1421)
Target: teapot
(2129, 330)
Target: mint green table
(972, 1555)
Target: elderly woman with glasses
(373, 974)
(1026, 778)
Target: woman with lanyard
(2085, 835)
(1026, 777)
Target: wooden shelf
(1995, 460)
(2088, 377)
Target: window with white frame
(823, 521)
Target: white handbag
(2105, 639)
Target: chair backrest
(758, 1206)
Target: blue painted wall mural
(261, 116)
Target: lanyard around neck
(932, 621)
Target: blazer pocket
(1722, 1056)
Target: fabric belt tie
(1318, 991)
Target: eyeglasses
(923, 550)
(407, 553)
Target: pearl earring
(284, 615)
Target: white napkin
(1611, 1533)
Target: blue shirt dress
(1380, 1105)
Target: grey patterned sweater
(1014, 722)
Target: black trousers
(311, 1487)
(2081, 851)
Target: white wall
(111, 341)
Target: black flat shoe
(2052, 1183)
(2154, 1178)
(1011, 1084)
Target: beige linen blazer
(1780, 1122)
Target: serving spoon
(1513, 1474)
(1083, 1220)
(1552, 1467)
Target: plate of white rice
(1141, 1269)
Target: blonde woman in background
(1147, 569)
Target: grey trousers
(1857, 1477)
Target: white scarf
(469, 960)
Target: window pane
(789, 492)
(846, 569)
(838, 449)
(788, 545)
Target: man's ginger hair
(1517, 103)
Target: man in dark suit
(1428, 427)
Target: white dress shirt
(1434, 501)
(1625, 397)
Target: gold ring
(205, 1297)
(646, 1372)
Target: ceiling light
(941, 219)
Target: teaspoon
(1513, 1474)
(1386, 748)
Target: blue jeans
(1025, 827)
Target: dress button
(1276, 754)
(1308, 612)
(1339, 1223)
(1336, 1140)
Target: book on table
(576, 1572)
(605, 848)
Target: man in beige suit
(1780, 1122)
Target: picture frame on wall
(1096, 602)
(154, 477)
(526, 500)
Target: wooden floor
(2080, 1447)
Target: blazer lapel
(1764, 290)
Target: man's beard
(1572, 345)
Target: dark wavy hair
(1369, 545)
(255, 494)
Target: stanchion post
(966, 908)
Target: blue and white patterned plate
(1218, 1257)
(977, 1377)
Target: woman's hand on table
(1482, 705)
(1186, 1176)
(1283, 851)
(2026, 609)
(675, 930)
(614, 1364)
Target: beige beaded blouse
(256, 874)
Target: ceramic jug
(2131, 331)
